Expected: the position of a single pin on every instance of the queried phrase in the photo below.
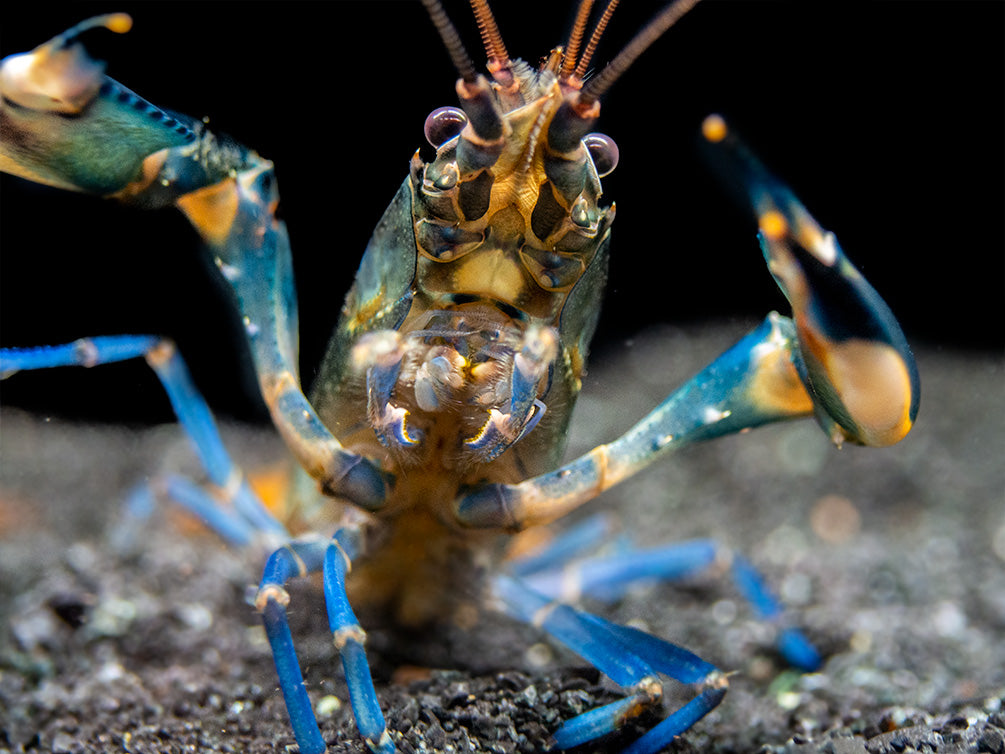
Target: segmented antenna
(591, 46)
(491, 37)
(451, 40)
(575, 37)
(597, 86)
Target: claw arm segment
(251, 247)
(101, 138)
(852, 355)
(119, 144)
(752, 383)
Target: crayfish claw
(852, 356)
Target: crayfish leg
(629, 657)
(333, 559)
(232, 508)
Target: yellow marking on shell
(394, 415)
(496, 419)
(519, 171)
(773, 225)
(370, 310)
(541, 614)
(150, 169)
(273, 592)
(601, 456)
(576, 366)
(212, 210)
(776, 386)
(714, 128)
(301, 565)
(484, 371)
(495, 275)
(875, 387)
(160, 354)
(344, 635)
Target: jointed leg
(607, 577)
(631, 658)
(333, 558)
(232, 508)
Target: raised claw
(65, 124)
(853, 358)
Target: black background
(885, 117)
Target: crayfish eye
(603, 151)
(443, 124)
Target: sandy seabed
(893, 561)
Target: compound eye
(604, 153)
(443, 124)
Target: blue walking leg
(793, 645)
(349, 638)
(607, 578)
(589, 533)
(247, 515)
(333, 559)
(297, 558)
(631, 658)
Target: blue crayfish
(439, 415)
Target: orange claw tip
(120, 23)
(773, 225)
(714, 128)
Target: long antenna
(491, 37)
(598, 32)
(451, 40)
(575, 38)
(597, 86)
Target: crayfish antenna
(591, 46)
(600, 84)
(451, 40)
